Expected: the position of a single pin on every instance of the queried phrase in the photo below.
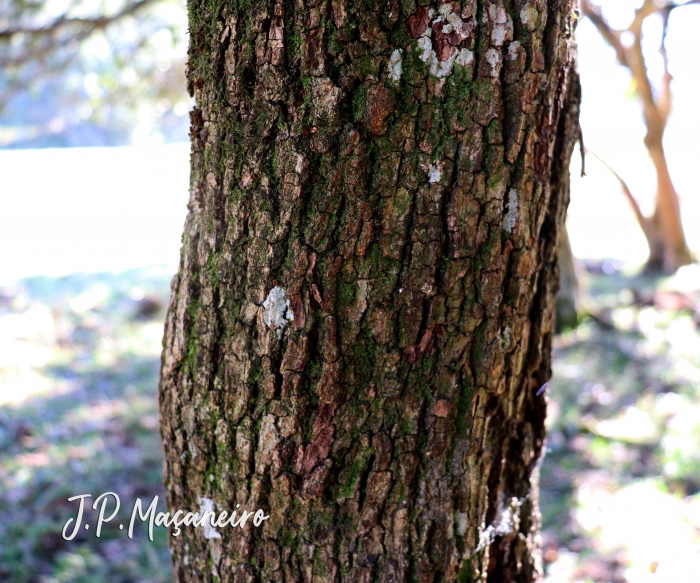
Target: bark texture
(365, 301)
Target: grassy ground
(79, 363)
(621, 479)
(78, 378)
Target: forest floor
(79, 358)
(79, 361)
(620, 482)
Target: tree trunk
(364, 306)
(669, 249)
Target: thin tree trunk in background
(668, 249)
(673, 251)
(364, 306)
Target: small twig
(583, 151)
(63, 21)
(666, 95)
(602, 321)
(673, 5)
(641, 219)
(611, 35)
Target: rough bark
(398, 173)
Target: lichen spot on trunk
(434, 172)
(440, 35)
(510, 219)
(277, 310)
(395, 65)
(207, 505)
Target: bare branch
(665, 236)
(666, 96)
(647, 9)
(632, 57)
(673, 5)
(643, 221)
(582, 149)
(63, 22)
(611, 35)
(638, 67)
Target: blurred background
(94, 164)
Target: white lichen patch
(493, 58)
(452, 23)
(300, 163)
(426, 45)
(501, 25)
(395, 65)
(462, 28)
(464, 58)
(513, 49)
(460, 521)
(445, 10)
(529, 15)
(511, 217)
(507, 520)
(206, 505)
(508, 516)
(502, 33)
(506, 337)
(439, 68)
(434, 172)
(277, 311)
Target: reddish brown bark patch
(418, 23)
(380, 104)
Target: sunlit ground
(621, 481)
(79, 353)
(620, 484)
(79, 358)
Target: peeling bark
(364, 306)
